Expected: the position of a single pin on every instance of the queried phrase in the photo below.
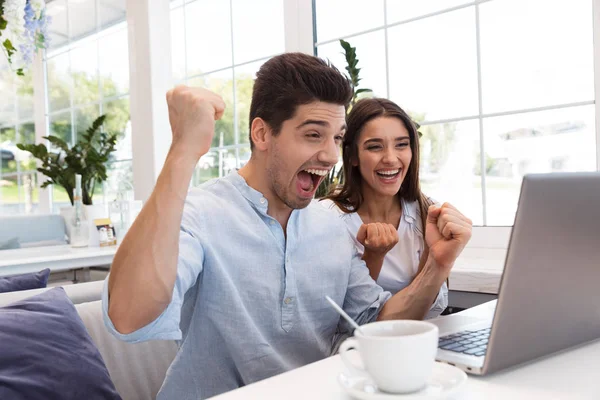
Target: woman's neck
(378, 208)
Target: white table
(570, 375)
(57, 258)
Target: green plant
(87, 157)
(353, 71)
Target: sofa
(33, 230)
(137, 370)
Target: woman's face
(384, 155)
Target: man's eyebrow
(313, 122)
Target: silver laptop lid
(549, 297)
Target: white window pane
(7, 99)
(84, 70)
(545, 58)
(9, 195)
(28, 193)
(59, 82)
(82, 18)
(450, 167)
(117, 120)
(25, 96)
(178, 44)
(550, 141)
(207, 168)
(120, 180)
(84, 117)
(228, 160)
(244, 82)
(8, 138)
(60, 199)
(8, 150)
(339, 18)
(433, 65)
(111, 12)
(208, 36)
(244, 156)
(370, 52)
(57, 30)
(26, 135)
(60, 125)
(257, 29)
(114, 63)
(222, 84)
(402, 10)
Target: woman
(381, 200)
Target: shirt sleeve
(364, 299)
(440, 303)
(166, 326)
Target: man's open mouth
(309, 180)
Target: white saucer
(444, 381)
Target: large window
(501, 88)
(18, 188)
(223, 53)
(87, 73)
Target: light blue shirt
(249, 303)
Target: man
(240, 267)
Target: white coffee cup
(397, 355)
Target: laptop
(549, 295)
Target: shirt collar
(255, 197)
(409, 211)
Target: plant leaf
(58, 142)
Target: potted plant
(88, 158)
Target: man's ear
(260, 133)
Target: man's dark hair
(292, 79)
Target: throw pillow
(34, 280)
(47, 353)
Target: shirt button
(288, 300)
(263, 200)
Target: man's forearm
(144, 269)
(414, 301)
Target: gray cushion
(10, 244)
(137, 369)
(33, 280)
(33, 228)
(46, 352)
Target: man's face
(304, 152)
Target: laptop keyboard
(473, 343)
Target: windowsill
(479, 267)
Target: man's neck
(256, 177)
(378, 208)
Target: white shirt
(401, 263)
